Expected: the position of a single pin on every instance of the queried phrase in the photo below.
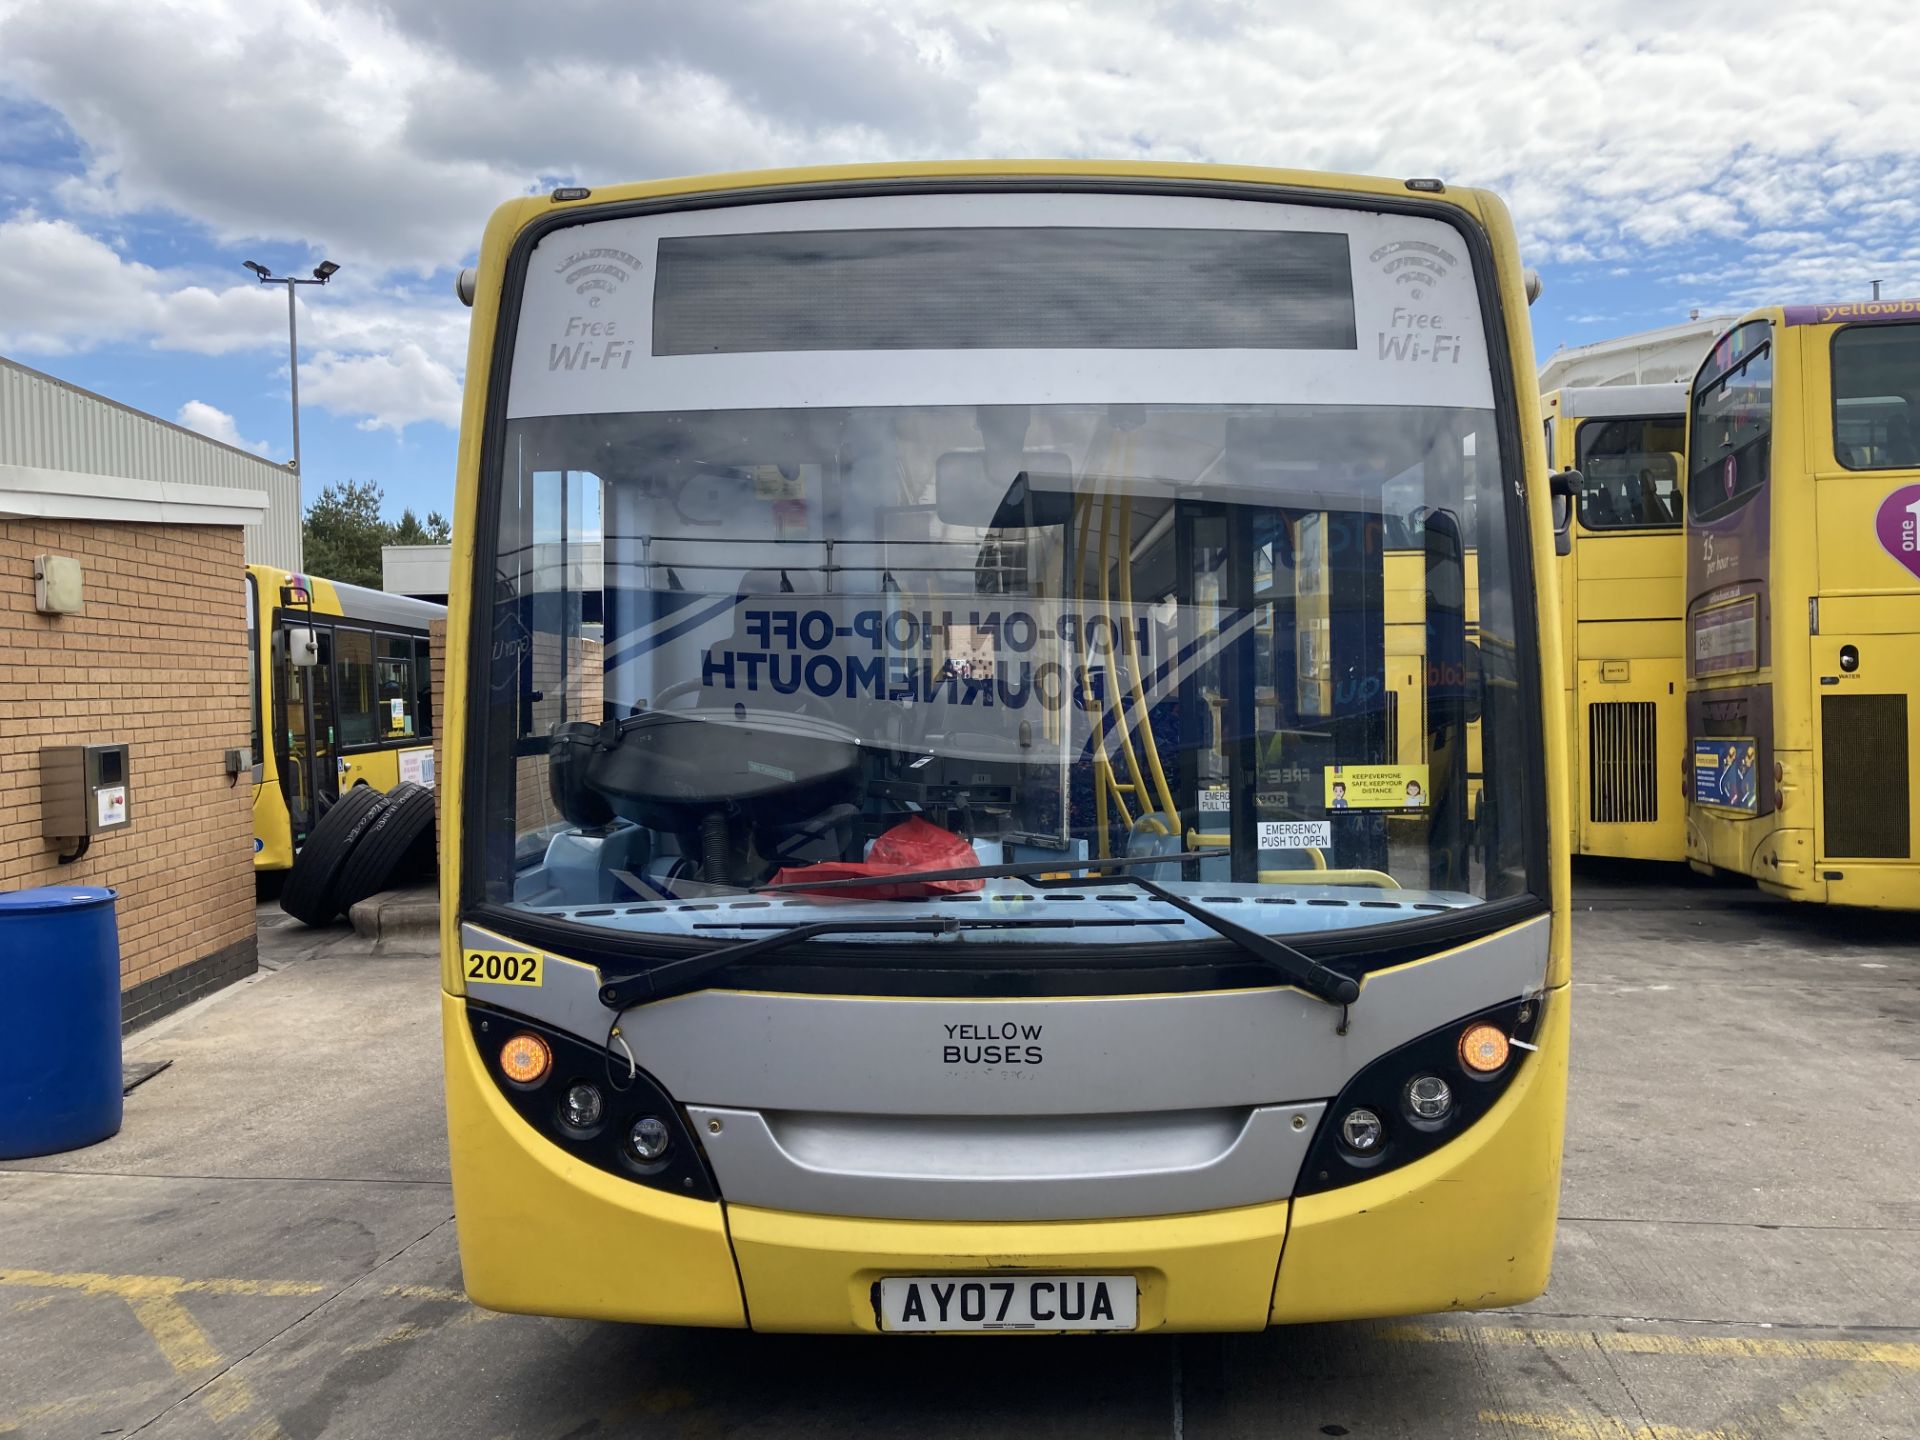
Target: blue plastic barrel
(60, 1065)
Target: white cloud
(383, 132)
(1735, 159)
(393, 390)
(63, 289)
(216, 424)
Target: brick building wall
(158, 661)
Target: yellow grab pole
(1160, 786)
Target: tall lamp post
(322, 273)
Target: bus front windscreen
(838, 539)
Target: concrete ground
(267, 1248)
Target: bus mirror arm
(1290, 964)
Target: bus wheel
(311, 893)
(398, 845)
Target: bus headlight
(582, 1108)
(648, 1139)
(1362, 1131)
(552, 1081)
(1421, 1096)
(1429, 1097)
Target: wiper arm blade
(1020, 869)
(1302, 970)
(681, 977)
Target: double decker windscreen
(782, 612)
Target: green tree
(344, 532)
(409, 531)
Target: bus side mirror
(302, 647)
(1563, 487)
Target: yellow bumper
(1469, 1226)
(272, 831)
(543, 1234)
(1196, 1272)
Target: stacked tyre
(367, 842)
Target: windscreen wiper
(1019, 869)
(1297, 968)
(683, 977)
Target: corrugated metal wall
(57, 426)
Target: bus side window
(1876, 384)
(353, 654)
(1630, 469)
(395, 701)
(1730, 447)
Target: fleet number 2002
(498, 967)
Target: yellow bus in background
(341, 695)
(952, 868)
(1425, 573)
(1803, 603)
(1622, 584)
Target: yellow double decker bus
(340, 689)
(960, 869)
(1803, 603)
(1622, 593)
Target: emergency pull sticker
(503, 967)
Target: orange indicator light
(1483, 1049)
(525, 1059)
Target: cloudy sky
(1658, 157)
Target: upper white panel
(585, 343)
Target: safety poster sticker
(1376, 787)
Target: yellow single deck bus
(1408, 674)
(341, 695)
(1803, 603)
(1622, 591)
(956, 871)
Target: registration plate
(1009, 1302)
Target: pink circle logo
(1898, 526)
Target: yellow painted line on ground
(1822, 1398)
(182, 1342)
(73, 1406)
(132, 1287)
(187, 1348)
(1903, 1355)
(1580, 1425)
(407, 1330)
(1820, 1401)
(428, 1292)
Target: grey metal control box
(83, 790)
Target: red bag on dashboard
(916, 845)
